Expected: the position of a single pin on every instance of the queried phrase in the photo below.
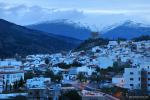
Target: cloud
(93, 13)
(23, 14)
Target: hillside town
(118, 70)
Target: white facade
(9, 75)
(1, 84)
(118, 81)
(10, 62)
(38, 82)
(134, 78)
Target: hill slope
(127, 30)
(90, 43)
(64, 28)
(17, 39)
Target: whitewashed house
(10, 72)
(118, 80)
(137, 78)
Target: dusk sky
(93, 13)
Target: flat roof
(91, 93)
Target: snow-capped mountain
(63, 27)
(128, 30)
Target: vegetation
(119, 68)
(55, 78)
(67, 66)
(18, 39)
(96, 77)
(15, 86)
(142, 38)
(88, 44)
(116, 91)
(29, 75)
(20, 97)
(120, 39)
(47, 61)
(70, 95)
(82, 77)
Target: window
(148, 84)
(148, 78)
(131, 73)
(131, 84)
(139, 79)
(131, 79)
(148, 72)
(139, 72)
(8, 76)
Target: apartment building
(137, 78)
(10, 72)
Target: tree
(47, 61)
(49, 73)
(81, 77)
(94, 35)
(29, 75)
(95, 77)
(142, 38)
(120, 39)
(71, 95)
(21, 82)
(16, 84)
(19, 97)
(10, 86)
(98, 69)
(115, 65)
(6, 86)
(58, 77)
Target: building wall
(132, 78)
(148, 80)
(118, 81)
(135, 73)
(37, 94)
(11, 78)
(93, 98)
(1, 83)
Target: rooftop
(38, 82)
(91, 93)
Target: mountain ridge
(63, 27)
(127, 30)
(18, 39)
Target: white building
(118, 81)
(137, 78)
(1, 84)
(90, 95)
(10, 72)
(36, 82)
(10, 62)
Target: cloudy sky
(94, 13)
